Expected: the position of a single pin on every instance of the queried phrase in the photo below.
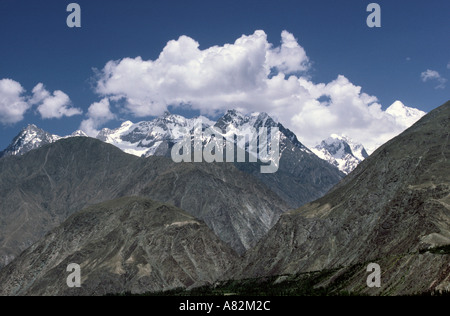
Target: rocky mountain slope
(125, 245)
(392, 209)
(301, 177)
(395, 203)
(424, 274)
(342, 152)
(40, 189)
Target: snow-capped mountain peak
(399, 109)
(236, 123)
(147, 138)
(236, 120)
(78, 133)
(348, 145)
(31, 137)
(404, 115)
(126, 124)
(156, 137)
(341, 151)
(232, 118)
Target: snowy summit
(341, 152)
(404, 115)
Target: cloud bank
(249, 75)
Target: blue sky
(387, 62)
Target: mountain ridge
(147, 145)
(395, 202)
(157, 137)
(341, 152)
(29, 138)
(42, 188)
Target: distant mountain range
(301, 178)
(156, 137)
(152, 137)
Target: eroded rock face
(125, 245)
(234, 205)
(407, 274)
(41, 189)
(396, 202)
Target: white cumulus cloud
(251, 75)
(212, 79)
(54, 105)
(290, 57)
(434, 75)
(13, 105)
(98, 114)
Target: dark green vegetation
(348, 281)
(443, 250)
(287, 285)
(435, 293)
